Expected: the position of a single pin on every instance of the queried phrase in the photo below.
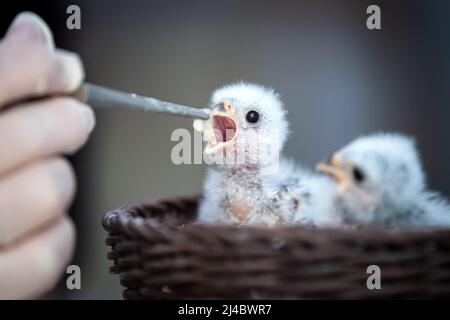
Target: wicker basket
(160, 254)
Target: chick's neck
(244, 175)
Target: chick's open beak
(334, 170)
(220, 129)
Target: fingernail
(33, 27)
(89, 117)
(64, 181)
(57, 249)
(70, 72)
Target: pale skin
(37, 183)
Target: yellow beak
(335, 171)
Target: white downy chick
(248, 183)
(315, 194)
(380, 183)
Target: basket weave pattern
(160, 254)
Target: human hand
(36, 183)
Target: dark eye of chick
(358, 174)
(252, 116)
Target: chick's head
(376, 170)
(247, 126)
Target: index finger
(29, 64)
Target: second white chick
(380, 183)
(248, 184)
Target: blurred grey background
(337, 78)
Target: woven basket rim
(127, 220)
